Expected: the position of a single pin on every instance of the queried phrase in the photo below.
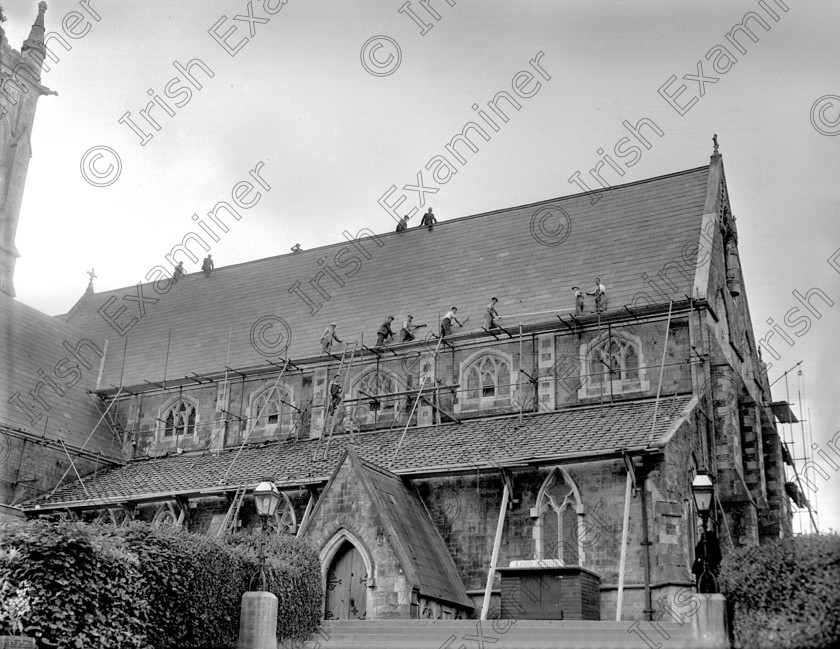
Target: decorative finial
(714, 139)
(36, 34)
(92, 276)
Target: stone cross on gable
(714, 139)
(92, 276)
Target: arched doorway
(346, 597)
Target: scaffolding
(565, 324)
(333, 404)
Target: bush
(84, 584)
(785, 594)
(293, 574)
(100, 586)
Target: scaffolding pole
(661, 372)
(88, 438)
(624, 533)
(494, 558)
(250, 427)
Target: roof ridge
(328, 246)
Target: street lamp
(266, 498)
(707, 552)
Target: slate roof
(631, 230)
(422, 552)
(31, 341)
(472, 445)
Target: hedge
(785, 594)
(102, 586)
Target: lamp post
(266, 498)
(707, 551)
(258, 616)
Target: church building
(540, 464)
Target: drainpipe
(646, 554)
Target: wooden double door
(346, 597)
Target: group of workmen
(406, 334)
(427, 221)
(207, 266)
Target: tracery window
(284, 520)
(372, 385)
(556, 531)
(271, 411)
(179, 419)
(485, 381)
(612, 363)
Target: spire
(36, 34)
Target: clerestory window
(179, 419)
(485, 382)
(612, 363)
(377, 390)
(271, 412)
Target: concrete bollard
(710, 624)
(258, 621)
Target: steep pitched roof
(422, 552)
(32, 346)
(475, 445)
(518, 254)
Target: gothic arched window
(179, 419)
(284, 520)
(485, 381)
(556, 531)
(374, 386)
(612, 363)
(271, 412)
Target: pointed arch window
(284, 520)
(179, 419)
(271, 412)
(375, 385)
(485, 381)
(557, 514)
(612, 363)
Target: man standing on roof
(491, 314)
(428, 219)
(600, 294)
(335, 394)
(327, 338)
(407, 331)
(179, 271)
(207, 265)
(578, 300)
(446, 323)
(402, 224)
(384, 332)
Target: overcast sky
(335, 135)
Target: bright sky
(334, 137)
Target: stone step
(522, 634)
